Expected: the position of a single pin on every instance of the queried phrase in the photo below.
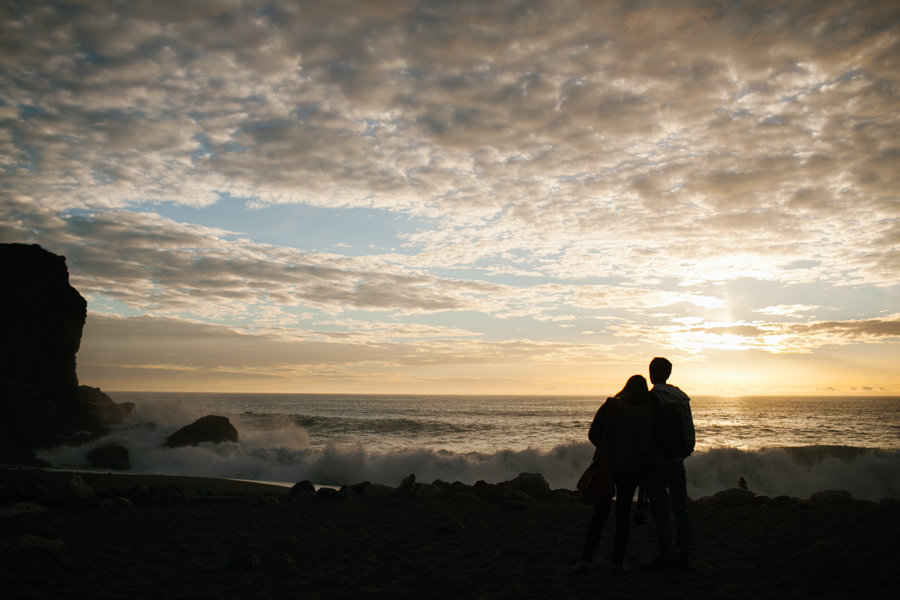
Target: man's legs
(677, 484)
(659, 508)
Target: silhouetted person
(667, 479)
(621, 428)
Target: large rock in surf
(210, 428)
(41, 321)
(109, 457)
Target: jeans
(671, 477)
(626, 483)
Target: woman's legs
(626, 484)
(595, 528)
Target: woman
(622, 429)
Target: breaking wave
(281, 452)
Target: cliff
(41, 320)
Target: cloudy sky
(443, 196)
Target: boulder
(211, 428)
(41, 322)
(781, 502)
(533, 484)
(139, 495)
(348, 492)
(513, 505)
(426, 490)
(109, 457)
(455, 488)
(301, 486)
(359, 488)
(73, 490)
(519, 495)
(406, 488)
(736, 497)
(889, 503)
(835, 497)
(324, 493)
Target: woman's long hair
(635, 392)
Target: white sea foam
(284, 454)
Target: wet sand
(390, 548)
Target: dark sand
(389, 548)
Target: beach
(246, 542)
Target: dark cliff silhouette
(41, 321)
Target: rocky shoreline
(154, 536)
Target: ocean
(779, 445)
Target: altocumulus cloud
(570, 159)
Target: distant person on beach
(622, 429)
(673, 441)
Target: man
(666, 478)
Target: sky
(463, 197)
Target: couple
(639, 453)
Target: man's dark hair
(660, 369)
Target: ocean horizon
(781, 445)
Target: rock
(210, 428)
(160, 494)
(324, 493)
(781, 502)
(835, 497)
(533, 484)
(559, 496)
(301, 486)
(139, 495)
(376, 490)
(465, 498)
(29, 546)
(204, 493)
(449, 528)
(889, 503)
(117, 503)
(303, 497)
(736, 497)
(41, 322)
(426, 490)
(348, 492)
(73, 490)
(455, 488)
(519, 495)
(406, 488)
(359, 488)
(826, 559)
(513, 505)
(109, 457)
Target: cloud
(705, 135)
(776, 338)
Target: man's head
(660, 369)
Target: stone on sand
(73, 490)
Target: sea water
(779, 445)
